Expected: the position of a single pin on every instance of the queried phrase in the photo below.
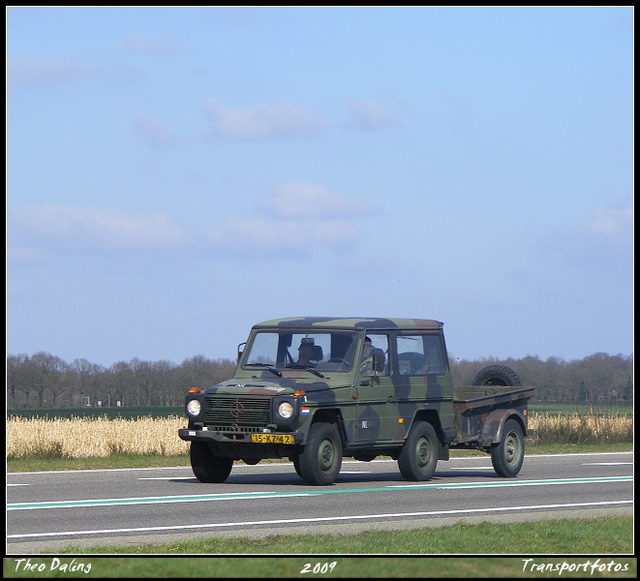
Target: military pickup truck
(315, 390)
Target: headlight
(194, 407)
(285, 410)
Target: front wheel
(419, 455)
(206, 466)
(320, 461)
(508, 455)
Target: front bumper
(232, 437)
(239, 445)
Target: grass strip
(329, 567)
(598, 535)
(609, 535)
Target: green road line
(247, 495)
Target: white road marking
(470, 468)
(609, 464)
(311, 520)
(166, 477)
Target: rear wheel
(321, 459)
(419, 455)
(508, 455)
(206, 466)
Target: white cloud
(52, 72)
(299, 200)
(106, 228)
(612, 226)
(605, 240)
(285, 239)
(264, 121)
(153, 130)
(45, 71)
(367, 115)
(146, 44)
(25, 255)
(300, 219)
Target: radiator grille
(221, 410)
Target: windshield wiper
(267, 367)
(309, 369)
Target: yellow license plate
(272, 438)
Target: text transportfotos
(586, 567)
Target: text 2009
(319, 567)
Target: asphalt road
(52, 510)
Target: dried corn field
(581, 428)
(94, 437)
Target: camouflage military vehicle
(315, 390)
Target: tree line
(44, 381)
(594, 378)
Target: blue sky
(175, 175)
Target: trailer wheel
(508, 455)
(321, 459)
(206, 466)
(497, 375)
(419, 455)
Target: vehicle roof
(351, 323)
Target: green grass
(339, 567)
(611, 535)
(581, 407)
(602, 535)
(115, 461)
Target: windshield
(327, 351)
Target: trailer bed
(480, 412)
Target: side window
(375, 346)
(420, 355)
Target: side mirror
(241, 350)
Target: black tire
(419, 455)
(206, 466)
(508, 455)
(497, 375)
(296, 466)
(321, 459)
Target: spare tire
(497, 375)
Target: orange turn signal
(298, 392)
(194, 390)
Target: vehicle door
(376, 409)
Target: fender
(445, 435)
(494, 424)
